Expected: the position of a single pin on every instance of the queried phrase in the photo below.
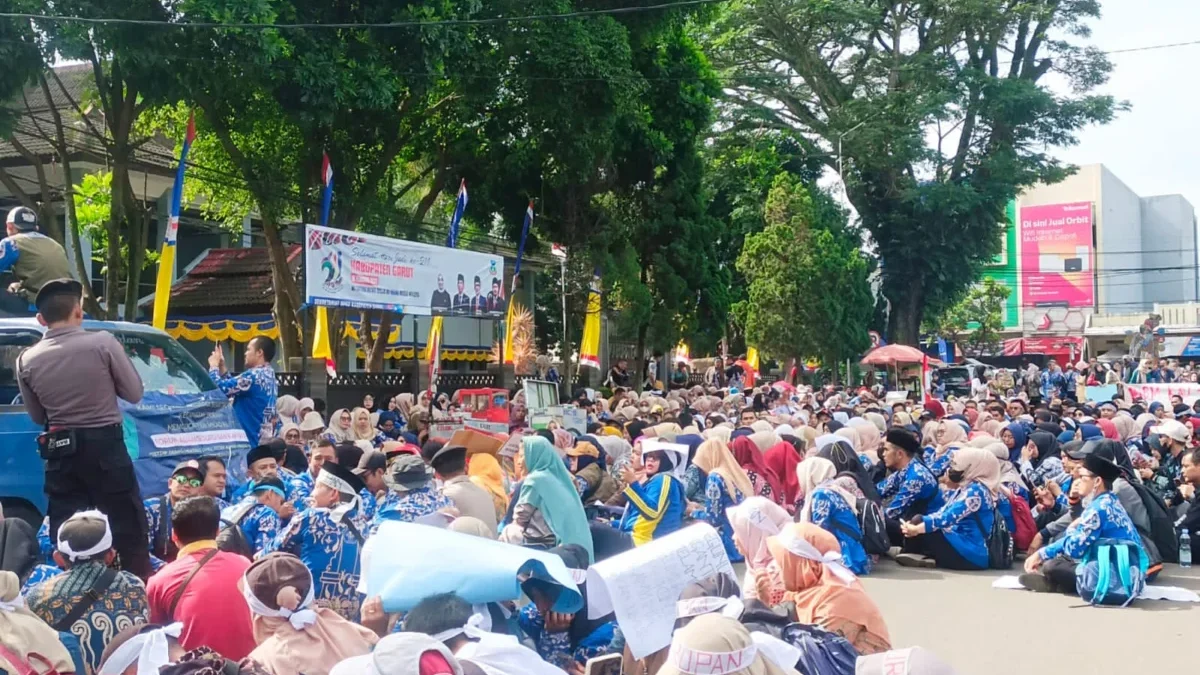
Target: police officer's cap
(22, 218)
(58, 287)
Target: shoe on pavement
(914, 560)
(1038, 583)
(893, 552)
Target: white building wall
(1169, 249)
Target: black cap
(22, 218)
(1102, 466)
(56, 287)
(345, 474)
(278, 448)
(445, 451)
(1077, 449)
(188, 465)
(1182, 410)
(370, 461)
(904, 440)
(261, 452)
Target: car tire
(19, 508)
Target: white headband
(105, 543)
(694, 662)
(150, 650)
(730, 607)
(301, 618)
(474, 629)
(804, 549)
(342, 487)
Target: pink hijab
(755, 519)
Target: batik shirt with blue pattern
(1102, 518)
(260, 524)
(556, 648)
(831, 513)
(253, 393)
(939, 464)
(716, 500)
(902, 489)
(958, 522)
(330, 551)
(406, 507)
(124, 604)
(1051, 469)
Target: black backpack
(872, 530)
(999, 542)
(231, 539)
(1162, 526)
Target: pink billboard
(1057, 259)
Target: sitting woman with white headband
(294, 635)
(826, 593)
(713, 644)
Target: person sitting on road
(910, 489)
(753, 521)
(31, 257)
(955, 536)
(1053, 568)
(830, 507)
(726, 486)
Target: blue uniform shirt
(903, 489)
(716, 500)
(1102, 518)
(260, 524)
(957, 521)
(831, 513)
(330, 551)
(253, 393)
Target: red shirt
(212, 609)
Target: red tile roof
(228, 282)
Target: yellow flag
(509, 331)
(433, 352)
(322, 349)
(752, 357)
(589, 347)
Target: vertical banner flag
(752, 357)
(166, 259)
(322, 348)
(589, 348)
(926, 378)
(433, 344)
(509, 319)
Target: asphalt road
(984, 631)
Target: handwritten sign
(396, 567)
(642, 586)
(1162, 393)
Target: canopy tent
(892, 355)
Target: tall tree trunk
(639, 354)
(375, 345)
(287, 294)
(908, 307)
(116, 218)
(136, 257)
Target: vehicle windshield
(955, 375)
(164, 365)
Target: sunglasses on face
(189, 482)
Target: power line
(582, 14)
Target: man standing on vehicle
(70, 382)
(254, 391)
(32, 257)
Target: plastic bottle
(1185, 548)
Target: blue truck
(181, 416)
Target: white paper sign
(574, 419)
(642, 586)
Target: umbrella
(890, 355)
(784, 386)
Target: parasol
(891, 355)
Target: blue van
(181, 416)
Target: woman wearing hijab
(1041, 459)
(951, 435)
(726, 486)
(693, 476)
(1011, 484)
(825, 592)
(955, 536)
(571, 639)
(548, 508)
(851, 474)
(341, 427)
(618, 454)
(869, 439)
(26, 635)
(363, 430)
(717, 638)
(592, 480)
(293, 633)
(830, 507)
(656, 503)
(752, 522)
(762, 478)
(1015, 436)
(484, 470)
(782, 459)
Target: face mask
(955, 475)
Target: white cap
(1173, 429)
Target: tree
(872, 83)
(807, 292)
(976, 321)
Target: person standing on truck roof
(254, 391)
(32, 257)
(70, 382)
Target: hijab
(822, 594)
(869, 437)
(750, 458)
(692, 441)
(1126, 427)
(550, 488)
(850, 435)
(717, 637)
(23, 632)
(878, 420)
(1020, 438)
(364, 431)
(472, 526)
(335, 430)
(991, 427)
(783, 459)
(1108, 429)
(752, 522)
(819, 472)
(576, 560)
(287, 406)
(294, 634)
(615, 447)
(847, 463)
(484, 470)
(953, 433)
(1047, 446)
(713, 457)
(929, 433)
(563, 440)
(1089, 431)
(764, 439)
(977, 464)
(1008, 472)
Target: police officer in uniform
(32, 257)
(70, 382)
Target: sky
(1154, 148)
